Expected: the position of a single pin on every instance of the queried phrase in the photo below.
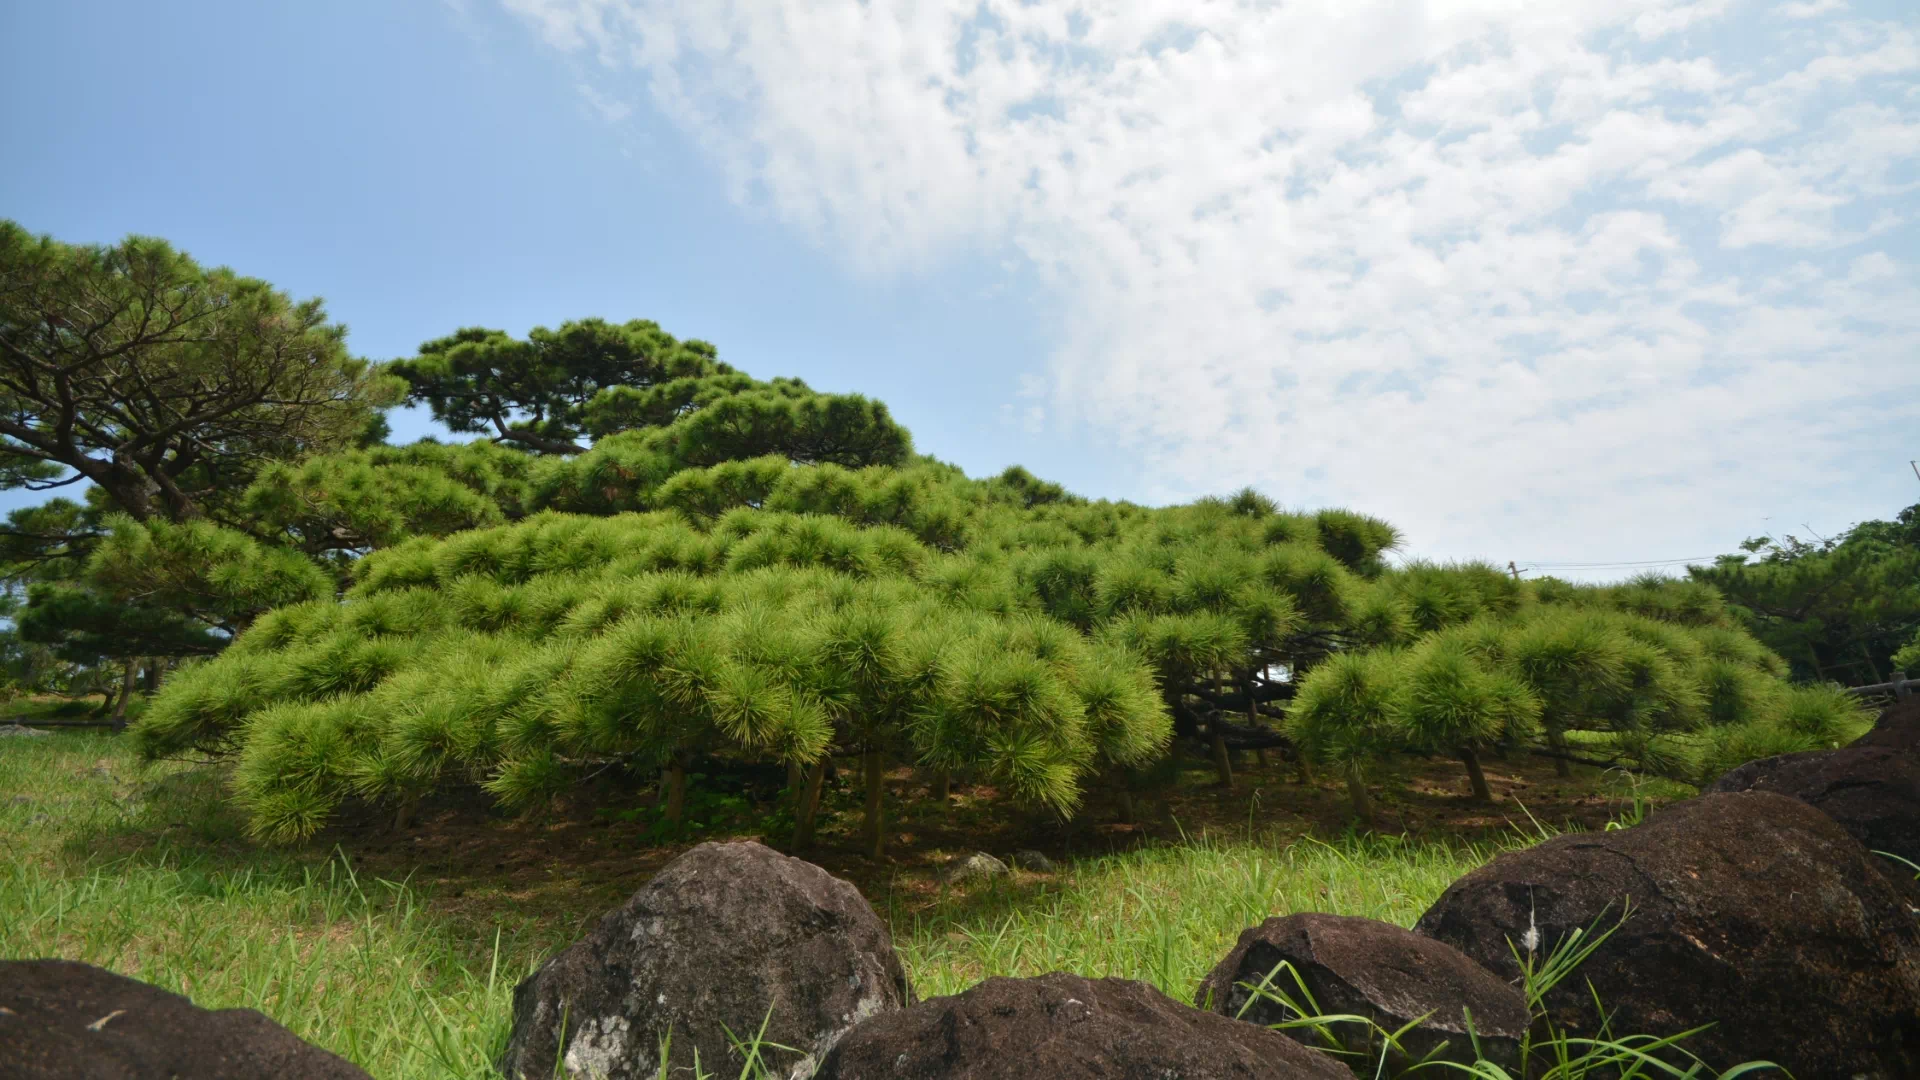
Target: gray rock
(62, 1020)
(16, 730)
(1065, 1027)
(1034, 861)
(720, 936)
(1390, 975)
(976, 866)
(1752, 912)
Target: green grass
(147, 872)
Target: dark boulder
(63, 1020)
(1751, 911)
(720, 935)
(1898, 728)
(1388, 974)
(1872, 791)
(1065, 1027)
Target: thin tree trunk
(1481, 791)
(808, 812)
(128, 677)
(1126, 807)
(1302, 768)
(943, 786)
(1222, 761)
(1872, 668)
(676, 785)
(1558, 740)
(875, 831)
(403, 814)
(1357, 792)
(1814, 655)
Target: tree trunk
(1357, 792)
(875, 836)
(128, 676)
(1222, 761)
(943, 786)
(403, 814)
(676, 785)
(1481, 791)
(1872, 668)
(1814, 655)
(808, 812)
(1126, 807)
(1558, 740)
(1302, 768)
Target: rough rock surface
(1898, 728)
(1065, 1027)
(12, 730)
(1872, 791)
(1751, 910)
(1364, 967)
(720, 935)
(62, 1020)
(976, 866)
(1033, 862)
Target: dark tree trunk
(1222, 760)
(875, 836)
(808, 812)
(1357, 793)
(1558, 740)
(943, 786)
(1872, 668)
(676, 789)
(403, 814)
(1478, 778)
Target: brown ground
(573, 863)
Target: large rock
(1872, 791)
(1898, 727)
(1065, 1027)
(1390, 975)
(62, 1020)
(1751, 911)
(720, 935)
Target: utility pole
(1516, 570)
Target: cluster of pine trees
(654, 562)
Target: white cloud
(606, 108)
(1554, 280)
(1812, 8)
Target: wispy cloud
(606, 108)
(1516, 275)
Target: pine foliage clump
(660, 564)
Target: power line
(1613, 565)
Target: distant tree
(1837, 608)
(163, 383)
(534, 393)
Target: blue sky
(1591, 282)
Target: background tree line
(654, 563)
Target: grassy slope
(146, 872)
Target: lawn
(400, 949)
